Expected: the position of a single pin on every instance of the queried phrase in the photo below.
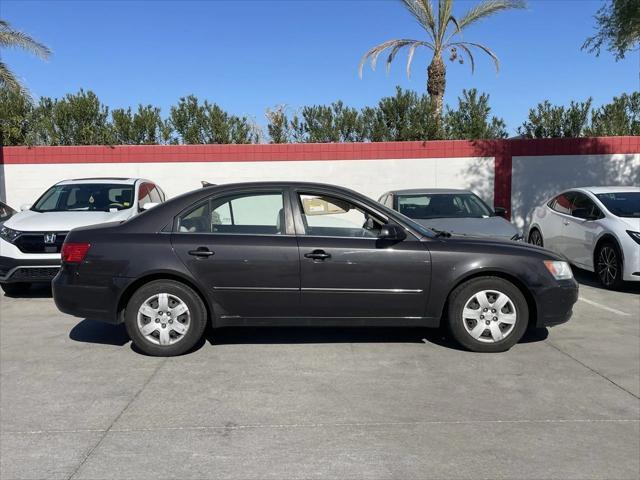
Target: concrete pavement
(77, 402)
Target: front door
(241, 249)
(581, 233)
(347, 272)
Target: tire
(173, 334)
(502, 329)
(535, 237)
(609, 265)
(12, 289)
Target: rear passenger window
(253, 214)
(562, 203)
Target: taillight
(74, 252)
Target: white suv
(596, 228)
(30, 240)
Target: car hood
(496, 227)
(481, 244)
(30, 221)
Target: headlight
(634, 235)
(559, 270)
(9, 235)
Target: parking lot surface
(78, 402)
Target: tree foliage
(556, 121)
(473, 118)
(617, 28)
(143, 127)
(620, 117)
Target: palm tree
(443, 32)
(10, 38)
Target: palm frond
(412, 51)
(373, 54)
(486, 50)
(423, 13)
(488, 8)
(445, 7)
(9, 81)
(467, 50)
(11, 38)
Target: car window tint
(581, 200)
(254, 214)
(143, 195)
(197, 220)
(562, 203)
(442, 205)
(333, 217)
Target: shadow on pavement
(90, 331)
(589, 279)
(38, 290)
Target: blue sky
(249, 55)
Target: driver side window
(325, 216)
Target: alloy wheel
(608, 265)
(163, 319)
(489, 316)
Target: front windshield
(622, 204)
(85, 197)
(443, 205)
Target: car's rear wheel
(535, 238)
(488, 314)
(165, 318)
(609, 266)
(15, 288)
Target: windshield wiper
(441, 233)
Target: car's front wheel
(165, 318)
(609, 265)
(488, 314)
(535, 238)
(12, 289)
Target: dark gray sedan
(284, 253)
(459, 212)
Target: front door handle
(202, 252)
(566, 222)
(317, 255)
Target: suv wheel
(165, 318)
(15, 288)
(609, 265)
(488, 314)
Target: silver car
(460, 212)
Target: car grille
(31, 274)
(34, 242)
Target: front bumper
(18, 270)
(555, 304)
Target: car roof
(428, 191)
(118, 180)
(597, 190)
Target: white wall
(24, 183)
(536, 179)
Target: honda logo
(50, 238)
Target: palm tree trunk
(436, 83)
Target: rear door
(554, 231)
(243, 249)
(581, 233)
(347, 272)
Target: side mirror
(500, 212)
(149, 205)
(392, 232)
(25, 206)
(583, 213)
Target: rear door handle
(317, 255)
(202, 252)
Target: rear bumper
(555, 304)
(17, 270)
(94, 298)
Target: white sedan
(596, 228)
